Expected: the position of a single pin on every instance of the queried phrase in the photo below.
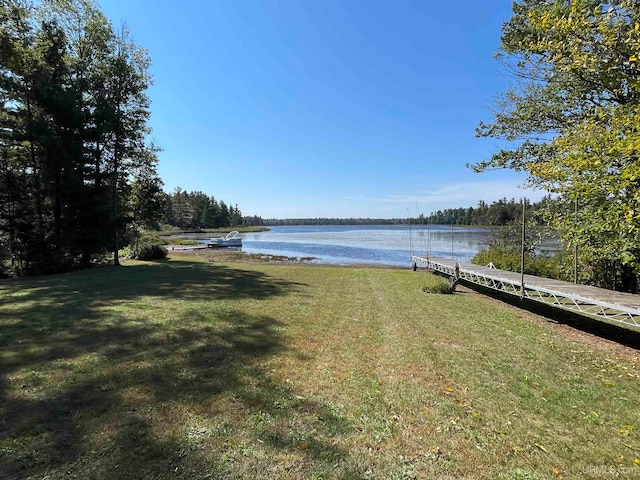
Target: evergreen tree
(147, 201)
(72, 127)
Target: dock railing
(617, 307)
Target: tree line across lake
(498, 213)
(197, 210)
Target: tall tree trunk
(116, 164)
(36, 170)
(116, 246)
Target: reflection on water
(385, 244)
(377, 244)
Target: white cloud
(456, 195)
(333, 205)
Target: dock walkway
(597, 302)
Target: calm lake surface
(372, 244)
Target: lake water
(377, 244)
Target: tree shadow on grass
(86, 392)
(183, 280)
(48, 304)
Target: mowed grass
(192, 369)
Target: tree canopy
(572, 122)
(498, 213)
(197, 210)
(75, 169)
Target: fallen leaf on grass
(541, 447)
(625, 431)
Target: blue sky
(324, 108)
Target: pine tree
(72, 127)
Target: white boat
(231, 239)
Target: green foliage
(125, 252)
(154, 251)
(557, 266)
(147, 201)
(500, 257)
(438, 284)
(179, 241)
(196, 210)
(501, 212)
(573, 122)
(74, 167)
(149, 246)
(504, 251)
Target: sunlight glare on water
(377, 244)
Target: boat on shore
(231, 239)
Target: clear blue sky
(324, 108)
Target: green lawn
(195, 369)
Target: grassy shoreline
(196, 369)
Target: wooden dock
(595, 302)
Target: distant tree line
(197, 210)
(332, 221)
(499, 213)
(76, 175)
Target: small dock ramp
(596, 302)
